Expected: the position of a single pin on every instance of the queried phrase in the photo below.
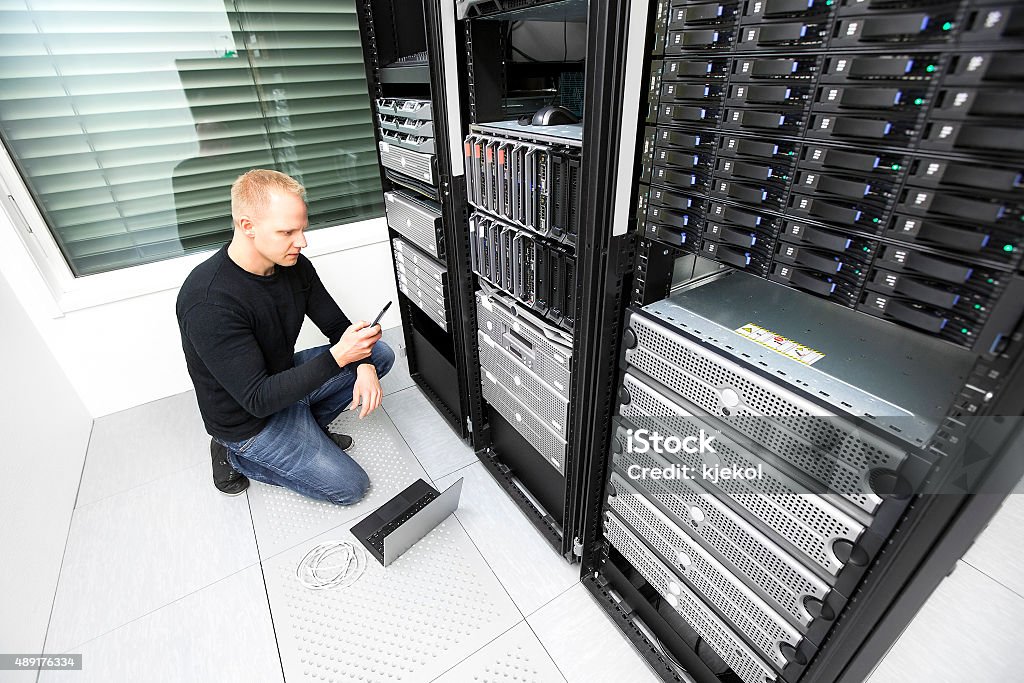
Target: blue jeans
(293, 449)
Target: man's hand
(366, 390)
(356, 343)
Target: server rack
(791, 150)
(410, 84)
(526, 224)
(814, 605)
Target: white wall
(45, 433)
(128, 352)
(970, 628)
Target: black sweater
(238, 331)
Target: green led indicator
(930, 68)
(866, 248)
(948, 25)
(875, 220)
(857, 272)
(977, 307)
(895, 167)
(963, 330)
(828, 3)
(919, 101)
(1008, 248)
(990, 281)
(792, 153)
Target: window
(130, 119)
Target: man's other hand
(356, 343)
(366, 390)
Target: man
(239, 312)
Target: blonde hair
(250, 193)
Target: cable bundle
(350, 563)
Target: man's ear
(246, 225)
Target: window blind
(130, 120)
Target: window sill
(151, 278)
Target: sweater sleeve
(224, 341)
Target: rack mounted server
(524, 180)
(423, 281)
(406, 145)
(525, 372)
(760, 566)
(867, 153)
(539, 273)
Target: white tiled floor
(166, 579)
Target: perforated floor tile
(514, 657)
(283, 518)
(430, 609)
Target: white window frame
(72, 293)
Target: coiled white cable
(350, 564)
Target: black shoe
(225, 478)
(344, 441)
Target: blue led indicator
(910, 66)
(848, 243)
(888, 127)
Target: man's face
(278, 230)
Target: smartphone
(381, 314)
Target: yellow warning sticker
(776, 342)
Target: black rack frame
(423, 365)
